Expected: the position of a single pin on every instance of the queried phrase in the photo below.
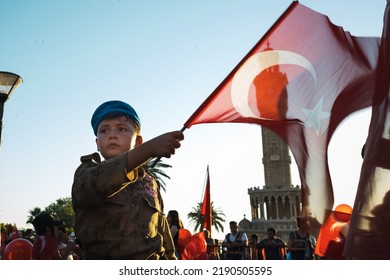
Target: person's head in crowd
(45, 224)
(233, 227)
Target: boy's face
(116, 136)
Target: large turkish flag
(301, 79)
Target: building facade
(278, 203)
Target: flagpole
(205, 182)
(205, 209)
(158, 159)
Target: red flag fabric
(368, 235)
(196, 248)
(206, 205)
(300, 80)
(333, 233)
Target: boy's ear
(97, 144)
(138, 140)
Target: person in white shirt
(235, 243)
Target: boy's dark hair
(116, 115)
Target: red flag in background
(333, 233)
(206, 210)
(300, 80)
(369, 232)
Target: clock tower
(278, 202)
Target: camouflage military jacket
(118, 214)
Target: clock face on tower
(275, 157)
(274, 152)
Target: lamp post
(8, 83)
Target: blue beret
(113, 107)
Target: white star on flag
(315, 116)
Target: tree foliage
(197, 219)
(157, 172)
(33, 213)
(61, 210)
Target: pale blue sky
(164, 58)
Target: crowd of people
(237, 246)
(300, 245)
(50, 241)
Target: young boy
(118, 207)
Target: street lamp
(8, 83)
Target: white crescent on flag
(244, 77)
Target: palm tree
(196, 218)
(33, 213)
(157, 171)
(62, 210)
